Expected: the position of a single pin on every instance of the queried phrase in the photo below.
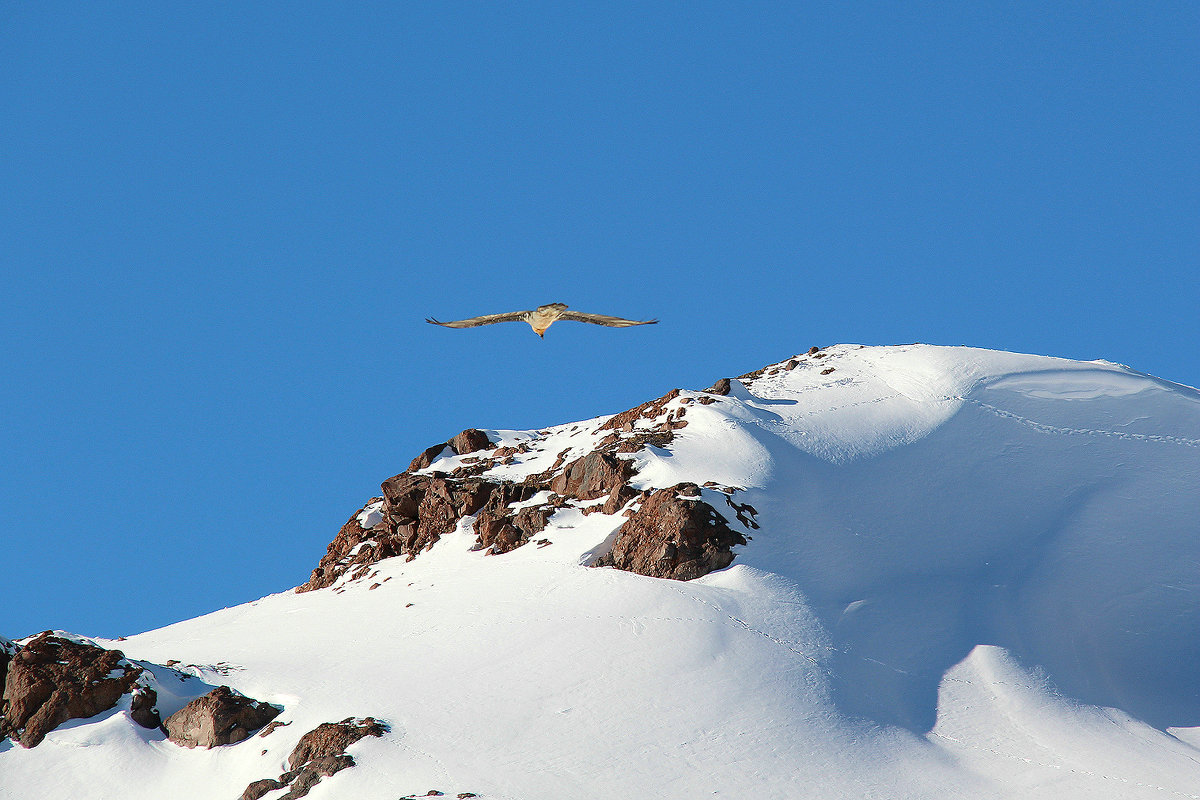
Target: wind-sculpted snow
(966, 574)
(1050, 514)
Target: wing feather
(604, 319)
(486, 319)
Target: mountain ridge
(924, 532)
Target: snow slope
(977, 576)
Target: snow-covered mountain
(862, 572)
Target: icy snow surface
(977, 576)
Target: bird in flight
(543, 317)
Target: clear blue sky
(222, 225)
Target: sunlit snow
(977, 576)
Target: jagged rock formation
(220, 717)
(320, 753)
(52, 679)
(422, 503)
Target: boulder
(142, 708)
(220, 717)
(469, 441)
(52, 679)
(595, 475)
(674, 534)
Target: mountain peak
(855, 567)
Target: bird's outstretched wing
(604, 319)
(486, 319)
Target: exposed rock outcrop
(420, 505)
(52, 679)
(320, 753)
(469, 441)
(220, 717)
(595, 475)
(721, 387)
(499, 528)
(674, 534)
(416, 510)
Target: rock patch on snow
(220, 717)
(320, 753)
(673, 534)
(672, 538)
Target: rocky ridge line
(671, 532)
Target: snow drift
(965, 573)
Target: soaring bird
(543, 317)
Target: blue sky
(222, 225)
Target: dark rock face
(594, 475)
(220, 717)
(51, 680)
(320, 753)
(417, 510)
(502, 530)
(674, 535)
(7, 650)
(142, 709)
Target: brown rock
(52, 679)
(594, 475)
(674, 534)
(617, 499)
(354, 546)
(427, 457)
(260, 788)
(498, 528)
(649, 410)
(304, 779)
(220, 717)
(749, 376)
(7, 650)
(271, 726)
(333, 738)
(721, 387)
(469, 441)
(142, 709)
(417, 510)
(320, 753)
